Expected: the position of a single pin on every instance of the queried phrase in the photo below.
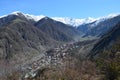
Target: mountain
(88, 27)
(22, 39)
(66, 20)
(21, 33)
(19, 38)
(74, 22)
(57, 30)
(106, 54)
(8, 18)
(22, 36)
(106, 42)
(99, 27)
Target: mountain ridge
(66, 20)
(106, 41)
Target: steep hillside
(57, 30)
(106, 54)
(106, 41)
(20, 38)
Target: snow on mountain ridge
(36, 18)
(100, 19)
(73, 21)
(29, 16)
(66, 20)
(16, 13)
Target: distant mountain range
(99, 27)
(66, 20)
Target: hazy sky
(61, 8)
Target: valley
(49, 49)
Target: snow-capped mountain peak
(66, 20)
(112, 15)
(73, 21)
(29, 16)
(36, 18)
(100, 19)
(16, 13)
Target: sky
(61, 8)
